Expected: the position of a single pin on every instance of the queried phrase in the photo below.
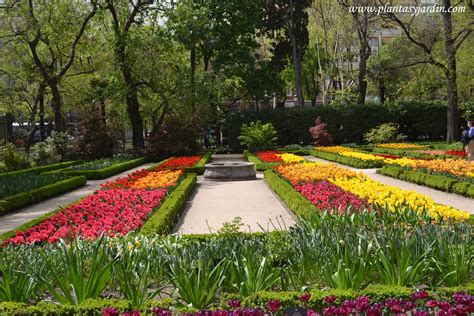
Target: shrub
(14, 160)
(382, 134)
(44, 153)
(94, 140)
(60, 142)
(319, 133)
(257, 135)
(177, 137)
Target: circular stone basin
(221, 171)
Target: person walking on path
(468, 140)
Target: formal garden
(236, 158)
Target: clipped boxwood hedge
(17, 201)
(104, 172)
(200, 165)
(376, 293)
(46, 168)
(296, 202)
(165, 217)
(439, 182)
(259, 165)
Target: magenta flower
(330, 299)
(110, 311)
(234, 303)
(273, 305)
(420, 295)
(305, 297)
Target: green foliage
(133, 271)
(398, 264)
(41, 169)
(250, 274)
(44, 153)
(19, 200)
(383, 133)
(257, 135)
(101, 169)
(196, 281)
(13, 159)
(163, 219)
(346, 123)
(76, 274)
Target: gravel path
(214, 203)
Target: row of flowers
(117, 208)
(402, 146)
(278, 156)
(418, 304)
(367, 190)
(449, 166)
(455, 167)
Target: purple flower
(273, 305)
(362, 303)
(131, 313)
(375, 310)
(110, 311)
(419, 312)
(305, 297)
(234, 304)
(329, 299)
(420, 295)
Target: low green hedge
(259, 165)
(104, 172)
(376, 293)
(165, 217)
(349, 161)
(439, 182)
(17, 201)
(297, 203)
(200, 165)
(41, 169)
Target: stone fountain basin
(228, 171)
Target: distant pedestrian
(468, 140)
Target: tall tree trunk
(56, 102)
(450, 73)
(133, 109)
(364, 54)
(193, 78)
(103, 112)
(296, 52)
(41, 118)
(10, 120)
(382, 91)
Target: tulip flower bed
(176, 163)
(111, 212)
(402, 146)
(452, 167)
(370, 191)
(278, 157)
(118, 208)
